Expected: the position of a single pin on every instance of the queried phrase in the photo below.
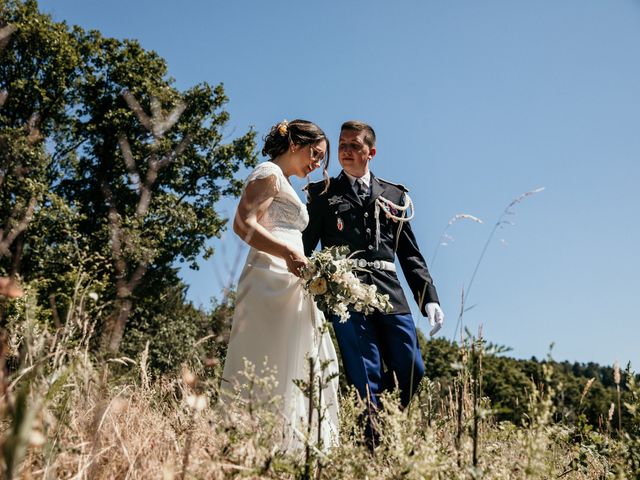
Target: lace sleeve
(265, 170)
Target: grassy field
(66, 414)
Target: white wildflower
(197, 402)
(36, 438)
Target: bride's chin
(303, 173)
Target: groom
(370, 216)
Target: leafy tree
(179, 332)
(37, 61)
(506, 382)
(121, 164)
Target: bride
(275, 322)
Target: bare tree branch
(137, 109)
(66, 151)
(134, 176)
(162, 125)
(128, 156)
(7, 238)
(33, 128)
(139, 272)
(145, 190)
(156, 108)
(115, 231)
(5, 33)
(121, 241)
(179, 150)
(155, 166)
(9, 288)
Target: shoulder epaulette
(398, 185)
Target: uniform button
(368, 230)
(366, 214)
(370, 247)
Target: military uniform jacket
(338, 217)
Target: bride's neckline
(281, 171)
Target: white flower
(330, 276)
(342, 311)
(36, 438)
(197, 402)
(308, 273)
(318, 286)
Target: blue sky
(474, 103)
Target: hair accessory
(283, 128)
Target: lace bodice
(286, 212)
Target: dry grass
(123, 430)
(65, 415)
(140, 436)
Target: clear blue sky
(474, 103)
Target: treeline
(507, 383)
(109, 178)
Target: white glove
(435, 316)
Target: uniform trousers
(379, 352)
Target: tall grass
(67, 414)
(500, 223)
(64, 415)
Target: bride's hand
(295, 261)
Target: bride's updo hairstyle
(296, 132)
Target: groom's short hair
(358, 126)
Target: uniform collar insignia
(336, 199)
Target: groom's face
(354, 154)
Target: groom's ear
(372, 152)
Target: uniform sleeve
(415, 268)
(311, 234)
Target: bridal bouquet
(329, 277)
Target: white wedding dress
(275, 320)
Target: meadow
(69, 414)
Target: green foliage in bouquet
(329, 277)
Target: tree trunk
(114, 331)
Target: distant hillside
(507, 381)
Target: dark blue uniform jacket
(338, 217)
